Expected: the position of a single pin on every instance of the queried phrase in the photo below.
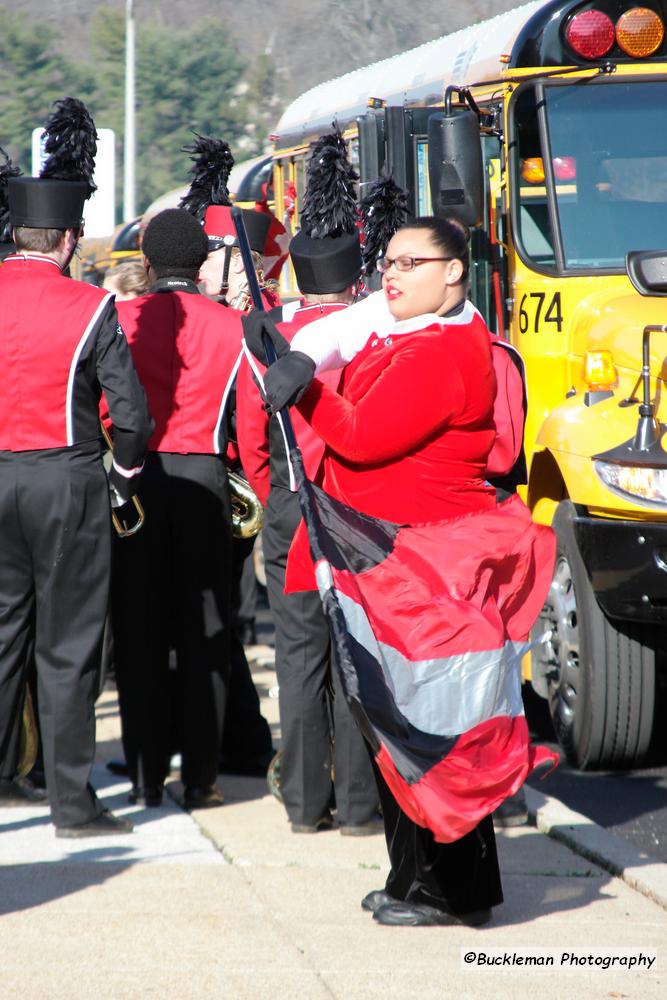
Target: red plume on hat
(212, 162)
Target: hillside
(308, 40)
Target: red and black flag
(429, 624)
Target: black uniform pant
(171, 588)
(54, 582)
(309, 717)
(247, 736)
(458, 878)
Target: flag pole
(258, 303)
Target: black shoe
(22, 792)
(149, 796)
(118, 767)
(512, 812)
(324, 823)
(372, 826)
(375, 899)
(202, 798)
(408, 914)
(104, 825)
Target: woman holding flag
(430, 585)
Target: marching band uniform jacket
(60, 347)
(302, 634)
(171, 581)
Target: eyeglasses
(405, 263)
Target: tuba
(247, 511)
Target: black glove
(255, 324)
(121, 488)
(287, 379)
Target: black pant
(246, 735)
(54, 580)
(458, 878)
(309, 716)
(171, 588)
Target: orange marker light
(600, 372)
(639, 32)
(532, 170)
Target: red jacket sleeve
(414, 396)
(252, 432)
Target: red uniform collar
(25, 258)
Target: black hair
(175, 244)
(449, 235)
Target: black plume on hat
(384, 209)
(70, 143)
(212, 164)
(329, 204)
(7, 170)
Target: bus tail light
(590, 34)
(639, 32)
(532, 170)
(600, 372)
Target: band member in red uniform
(222, 276)
(317, 729)
(171, 581)
(247, 746)
(408, 438)
(61, 347)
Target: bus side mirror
(455, 168)
(647, 270)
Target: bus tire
(600, 673)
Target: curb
(636, 868)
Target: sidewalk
(227, 904)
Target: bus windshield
(609, 154)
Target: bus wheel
(599, 674)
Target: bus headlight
(643, 484)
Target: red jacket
(252, 422)
(409, 436)
(186, 350)
(60, 345)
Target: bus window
(534, 228)
(423, 190)
(617, 136)
(300, 180)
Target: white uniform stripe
(69, 416)
(447, 696)
(223, 404)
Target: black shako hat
(55, 199)
(46, 204)
(326, 265)
(326, 253)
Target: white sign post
(99, 211)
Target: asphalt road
(632, 804)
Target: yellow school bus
(546, 130)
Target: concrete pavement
(227, 904)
